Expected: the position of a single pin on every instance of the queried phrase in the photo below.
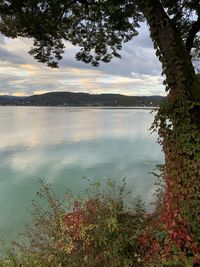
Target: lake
(63, 145)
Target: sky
(138, 72)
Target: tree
(99, 28)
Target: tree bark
(174, 57)
(173, 54)
(181, 141)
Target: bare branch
(192, 34)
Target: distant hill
(81, 99)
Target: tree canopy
(98, 27)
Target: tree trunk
(171, 51)
(179, 129)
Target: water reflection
(31, 126)
(63, 145)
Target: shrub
(92, 232)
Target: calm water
(63, 145)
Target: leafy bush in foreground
(98, 231)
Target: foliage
(89, 24)
(97, 231)
(198, 76)
(99, 28)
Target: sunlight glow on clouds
(137, 73)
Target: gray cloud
(2, 39)
(138, 56)
(137, 73)
(10, 57)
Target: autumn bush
(104, 229)
(167, 240)
(97, 231)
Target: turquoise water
(63, 145)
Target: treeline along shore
(81, 99)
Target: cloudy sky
(137, 73)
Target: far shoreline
(85, 107)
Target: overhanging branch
(192, 34)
